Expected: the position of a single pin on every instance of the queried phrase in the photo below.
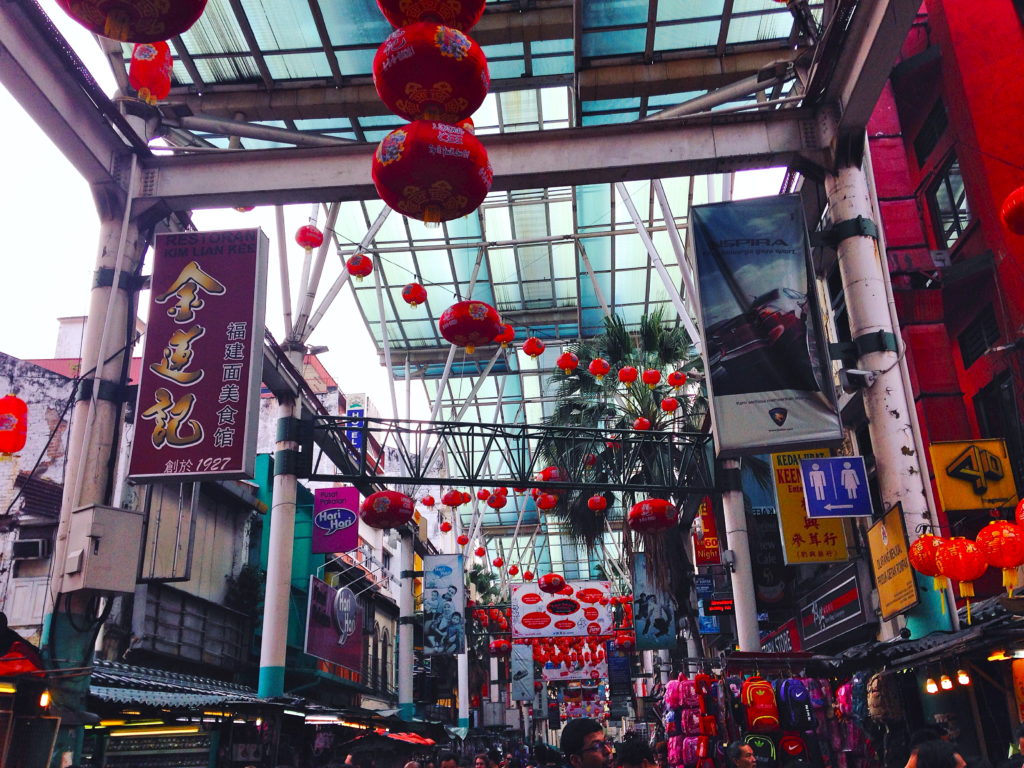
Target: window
(979, 335)
(998, 416)
(931, 131)
(385, 561)
(948, 200)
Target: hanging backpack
(795, 705)
(859, 693)
(671, 723)
(691, 746)
(689, 721)
(883, 697)
(763, 748)
(675, 750)
(793, 752)
(844, 701)
(702, 685)
(673, 696)
(734, 697)
(688, 693)
(762, 709)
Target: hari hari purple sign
(335, 520)
(334, 625)
(197, 410)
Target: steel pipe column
(406, 704)
(742, 574)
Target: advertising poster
(335, 520)
(804, 539)
(444, 603)
(582, 670)
(707, 549)
(973, 474)
(620, 674)
(769, 381)
(833, 609)
(654, 614)
(766, 555)
(334, 625)
(580, 614)
(890, 561)
(522, 672)
(199, 386)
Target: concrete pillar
(463, 671)
(747, 633)
(406, 704)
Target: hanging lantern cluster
(132, 21)
(455, 498)
(149, 72)
(434, 75)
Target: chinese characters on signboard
(199, 387)
(804, 539)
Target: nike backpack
(795, 705)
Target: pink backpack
(673, 694)
(688, 692)
(675, 750)
(691, 751)
(690, 722)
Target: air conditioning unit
(30, 549)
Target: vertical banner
(334, 626)
(654, 615)
(804, 539)
(522, 672)
(198, 406)
(769, 383)
(766, 554)
(335, 520)
(620, 675)
(706, 545)
(444, 602)
(890, 561)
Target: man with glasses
(583, 744)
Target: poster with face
(444, 605)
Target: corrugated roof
(127, 684)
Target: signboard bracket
(110, 391)
(843, 230)
(292, 462)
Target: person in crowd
(583, 744)
(634, 753)
(937, 753)
(449, 760)
(495, 760)
(1016, 758)
(740, 755)
(411, 764)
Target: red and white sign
(579, 671)
(707, 548)
(580, 614)
(197, 411)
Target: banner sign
(444, 601)
(334, 626)
(804, 540)
(582, 670)
(522, 672)
(833, 609)
(890, 561)
(355, 432)
(654, 614)
(704, 586)
(620, 675)
(785, 639)
(973, 474)
(538, 614)
(706, 545)
(765, 545)
(769, 382)
(335, 520)
(199, 386)
(836, 487)
(708, 625)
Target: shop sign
(804, 539)
(538, 614)
(708, 625)
(704, 586)
(833, 609)
(335, 520)
(973, 474)
(334, 626)
(620, 678)
(707, 549)
(355, 431)
(785, 639)
(198, 405)
(569, 672)
(890, 562)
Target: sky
(51, 231)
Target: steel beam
(602, 154)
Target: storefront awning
(127, 684)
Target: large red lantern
(1018, 514)
(641, 424)
(431, 171)
(452, 499)
(528, 575)
(469, 324)
(479, 551)
(568, 362)
(533, 347)
(359, 266)
(462, 540)
(599, 368)
(134, 21)
(461, 14)
(551, 474)
(922, 559)
(627, 375)
(652, 515)
(552, 583)
(651, 377)
(414, 294)
(150, 71)
(426, 71)
(309, 237)
(963, 561)
(13, 424)
(483, 494)
(1012, 211)
(498, 562)
(513, 570)
(427, 501)
(387, 509)
(1002, 544)
(445, 527)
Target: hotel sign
(197, 410)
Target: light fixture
(293, 713)
(945, 683)
(931, 686)
(999, 655)
(962, 677)
(44, 699)
(7, 688)
(165, 731)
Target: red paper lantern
(132, 21)
(498, 562)
(13, 424)
(568, 362)
(452, 498)
(466, 498)
(427, 501)
(547, 501)
(513, 570)
(627, 375)
(1002, 544)
(501, 491)
(590, 460)
(463, 540)
(528, 575)
(497, 501)
(150, 71)
(1018, 514)
(599, 368)
(676, 379)
(414, 294)
(480, 552)
(387, 509)
(652, 515)
(500, 647)
(469, 324)
(505, 336)
(566, 590)
(624, 641)
(432, 172)
(309, 237)
(533, 347)
(551, 583)
(651, 378)
(922, 558)
(483, 494)
(425, 71)
(461, 14)
(963, 561)
(359, 266)
(445, 527)
(551, 474)
(597, 503)
(1012, 211)
(669, 404)
(641, 424)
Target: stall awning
(127, 684)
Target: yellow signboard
(890, 562)
(973, 474)
(804, 540)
